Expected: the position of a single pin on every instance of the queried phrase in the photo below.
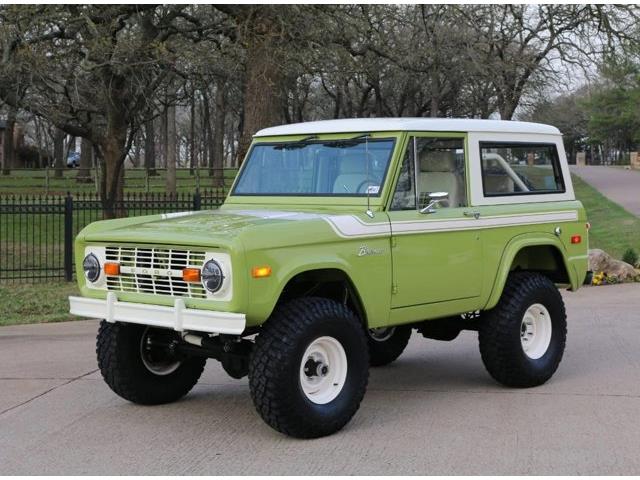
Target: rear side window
(520, 169)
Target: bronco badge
(365, 250)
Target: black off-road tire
(121, 365)
(383, 352)
(274, 367)
(499, 333)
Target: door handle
(475, 215)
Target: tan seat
(439, 173)
(351, 176)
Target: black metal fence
(37, 232)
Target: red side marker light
(576, 239)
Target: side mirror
(434, 199)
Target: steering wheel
(362, 188)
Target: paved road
(620, 185)
(435, 411)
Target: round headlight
(212, 276)
(91, 267)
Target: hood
(218, 228)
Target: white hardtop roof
(361, 125)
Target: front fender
(511, 250)
(370, 275)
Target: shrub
(630, 256)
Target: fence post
(197, 200)
(68, 237)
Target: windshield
(352, 167)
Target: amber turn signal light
(261, 272)
(112, 269)
(576, 239)
(191, 275)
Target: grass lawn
(44, 302)
(613, 229)
(34, 182)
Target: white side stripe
(488, 222)
(350, 226)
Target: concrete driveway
(620, 185)
(435, 411)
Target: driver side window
(433, 165)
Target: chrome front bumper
(178, 317)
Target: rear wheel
(522, 339)
(386, 344)
(309, 369)
(138, 363)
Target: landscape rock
(601, 261)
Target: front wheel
(138, 364)
(309, 369)
(522, 339)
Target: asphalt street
(618, 184)
(434, 411)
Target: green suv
(336, 241)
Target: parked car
(73, 159)
(338, 239)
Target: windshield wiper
(349, 142)
(303, 142)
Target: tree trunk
(263, 80)
(58, 153)
(192, 134)
(507, 110)
(113, 147)
(112, 185)
(84, 169)
(207, 145)
(218, 137)
(135, 158)
(170, 152)
(163, 137)
(149, 148)
(8, 150)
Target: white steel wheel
(381, 334)
(156, 359)
(323, 370)
(535, 331)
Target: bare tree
(170, 148)
(93, 71)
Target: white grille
(154, 270)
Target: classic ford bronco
(336, 241)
